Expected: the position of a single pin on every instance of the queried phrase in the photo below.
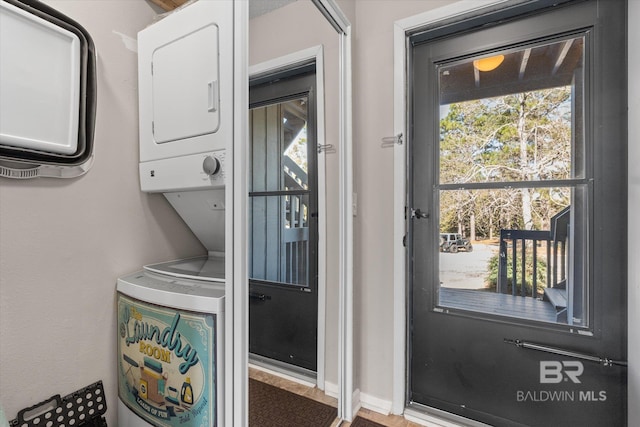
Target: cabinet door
(185, 86)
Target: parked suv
(453, 242)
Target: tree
(520, 137)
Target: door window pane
(279, 150)
(518, 120)
(279, 241)
(513, 198)
(280, 193)
(505, 269)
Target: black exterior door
(518, 145)
(283, 200)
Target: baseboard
(383, 406)
(375, 404)
(356, 402)
(361, 400)
(331, 389)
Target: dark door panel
(515, 126)
(284, 325)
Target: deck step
(557, 297)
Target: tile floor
(314, 393)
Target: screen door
(283, 221)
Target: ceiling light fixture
(488, 64)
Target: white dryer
(185, 93)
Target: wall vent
(19, 173)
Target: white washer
(171, 344)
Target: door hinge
(327, 148)
(390, 141)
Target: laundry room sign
(166, 363)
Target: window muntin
(512, 181)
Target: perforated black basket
(82, 408)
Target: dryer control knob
(211, 165)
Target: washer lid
(209, 268)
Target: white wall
(373, 182)
(63, 243)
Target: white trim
(279, 374)
(431, 420)
(237, 284)
(331, 11)
(273, 66)
(399, 226)
(445, 12)
(335, 16)
(322, 222)
(346, 230)
(285, 62)
(633, 334)
(402, 28)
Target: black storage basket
(82, 408)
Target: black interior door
(283, 259)
(517, 150)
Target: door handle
(259, 297)
(212, 90)
(417, 213)
(604, 361)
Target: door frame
(402, 30)
(274, 67)
(339, 21)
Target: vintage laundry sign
(166, 363)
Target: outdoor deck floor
(498, 304)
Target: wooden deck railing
(295, 233)
(522, 248)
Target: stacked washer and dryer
(171, 315)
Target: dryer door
(185, 86)
(185, 82)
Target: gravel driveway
(464, 270)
